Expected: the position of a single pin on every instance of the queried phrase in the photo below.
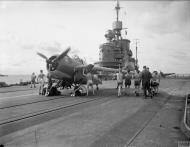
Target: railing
(186, 119)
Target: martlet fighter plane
(69, 71)
(164, 75)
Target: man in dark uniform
(127, 78)
(146, 77)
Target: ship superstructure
(116, 51)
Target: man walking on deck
(146, 77)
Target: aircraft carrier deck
(103, 120)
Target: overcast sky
(163, 30)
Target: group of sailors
(40, 79)
(92, 79)
(145, 79)
(149, 81)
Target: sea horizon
(16, 78)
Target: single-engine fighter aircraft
(164, 75)
(69, 71)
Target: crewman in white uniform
(41, 81)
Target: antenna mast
(117, 7)
(136, 42)
(117, 25)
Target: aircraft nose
(90, 66)
(51, 66)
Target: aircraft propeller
(62, 55)
(54, 62)
(42, 55)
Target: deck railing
(186, 120)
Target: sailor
(96, 81)
(155, 81)
(128, 78)
(41, 81)
(146, 77)
(137, 82)
(33, 80)
(89, 78)
(48, 86)
(119, 82)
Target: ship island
(116, 52)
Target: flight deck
(27, 119)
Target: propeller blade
(62, 55)
(43, 56)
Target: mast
(136, 49)
(117, 25)
(117, 8)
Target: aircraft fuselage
(66, 70)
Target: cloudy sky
(162, 27)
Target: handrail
(185, 113)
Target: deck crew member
(33, 80)
(119, 82)
(41, 81)
(128, 78)
(146, 77)
(96, 81)
(89, 78)
(137, 82)
(155, 81)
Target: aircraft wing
(165, 74)
(106, 69)
(81, 66)
(98, 68)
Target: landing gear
(97, 88)
(79, 90)
(50, 89)
(136, 93)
